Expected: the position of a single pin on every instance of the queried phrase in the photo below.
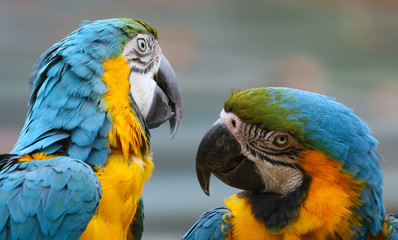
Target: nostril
(233, 123)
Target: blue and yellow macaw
(83, 155)
(307, 165)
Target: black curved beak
(167, 102)
(220, 153)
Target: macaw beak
(167, 100)
(220, 153)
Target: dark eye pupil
(281, 140)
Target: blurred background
(346, 49)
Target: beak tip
(176, 120)
(172, 135)
(205, 189)
(174, 125)
(204, 179)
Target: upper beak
(167, 102)
(220, 153)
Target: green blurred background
(346, 49)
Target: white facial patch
(144, 62)
(143, 90)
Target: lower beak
(167, 102)
(220, 153)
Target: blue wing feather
(75, 85)
(5, 214)
(75, 151)
(82, 137)
(94, 122)
(53, 148)
(29, 201)
(40, 192)
(98, 157)
(212, 225)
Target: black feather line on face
(291, 153)
(276, 162)
(277, 211)
(288, 151)
(138, 60)
(142, 71)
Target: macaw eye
(281, 140)
(141, 44)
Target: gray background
(345, 49)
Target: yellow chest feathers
(122, 183)
(128, 166)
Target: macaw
(83, 155)
(307, 165)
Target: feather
(211, 226)
(57, 99)
(82, 153)
(16, 212)
(5, 214)
(55, 206)
(61, 179)
(106, 127)
(98, 157)
(82, 137)
(41, 144)
(93, 122)
(72, 103)
(67, 119)
(30, 201)
(100, 143)
(39, 205)
(52, 148)
(75, 85)
(23, 230)
(11, 184)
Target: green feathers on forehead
(134, 26)
(270, 107)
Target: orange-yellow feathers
(35, 156)
(122, 185)
(327, 208)
(129, 165)
(127, 133)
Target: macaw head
(154, 85)
(288, 142)
(96, 87)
